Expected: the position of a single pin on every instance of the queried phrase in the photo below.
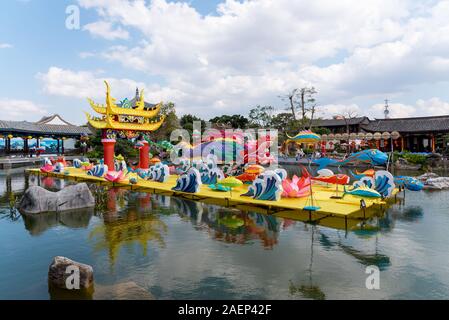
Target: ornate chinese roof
(132, 115)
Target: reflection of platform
(349, 205)
(20, 162)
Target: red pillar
(144, 156)
(108, 147)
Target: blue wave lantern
(159, 173)
(267, 186)
(98, 170)
(77, 163)
(384, 183)
(189, 182)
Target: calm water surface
(179, 249)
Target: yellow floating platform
(289, 206)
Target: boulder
(122, 291)
(437, 183)
(428, 175)
(61, 268)
(37, 199)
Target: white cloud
(18, 110)
(430, 107)
(106, 30)
(252, 51)
(87, 84)
(5, 46)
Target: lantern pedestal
(108, 147)
(144, 156)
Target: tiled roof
(26, 127)
(340, 122)
(419, 124)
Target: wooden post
(433, 142)
(58, 146)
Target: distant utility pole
(386, 111)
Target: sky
(214, 57)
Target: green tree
(261, 117)
(187, 120)
(235, 121)
(171, 123)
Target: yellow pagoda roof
(109, 123)
(124, 118)
(112, 108)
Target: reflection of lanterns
(361, 135)
(377, 136)
(395, 135)
(345, 136)
(338, 136)
(324, 137)
(386, 135)
(353, 136)
(369, 136)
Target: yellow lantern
(30, 137)
(10, 136)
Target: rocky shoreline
(433, 181)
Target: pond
(180, 249)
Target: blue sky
(214, 57)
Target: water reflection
(127, 221)
(126, 224)
(37, 224)
(309, 290)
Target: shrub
(415, 158)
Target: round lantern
(324, 137)
(331, 136)
(369, 136)
(10, 136)
(338, 136)
(345, 136)
(395, 135)
(353, 136)
(386, 135)
(377, 136)
(361, 135)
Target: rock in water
(37, 199)
(62, 268)
(122, 291)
